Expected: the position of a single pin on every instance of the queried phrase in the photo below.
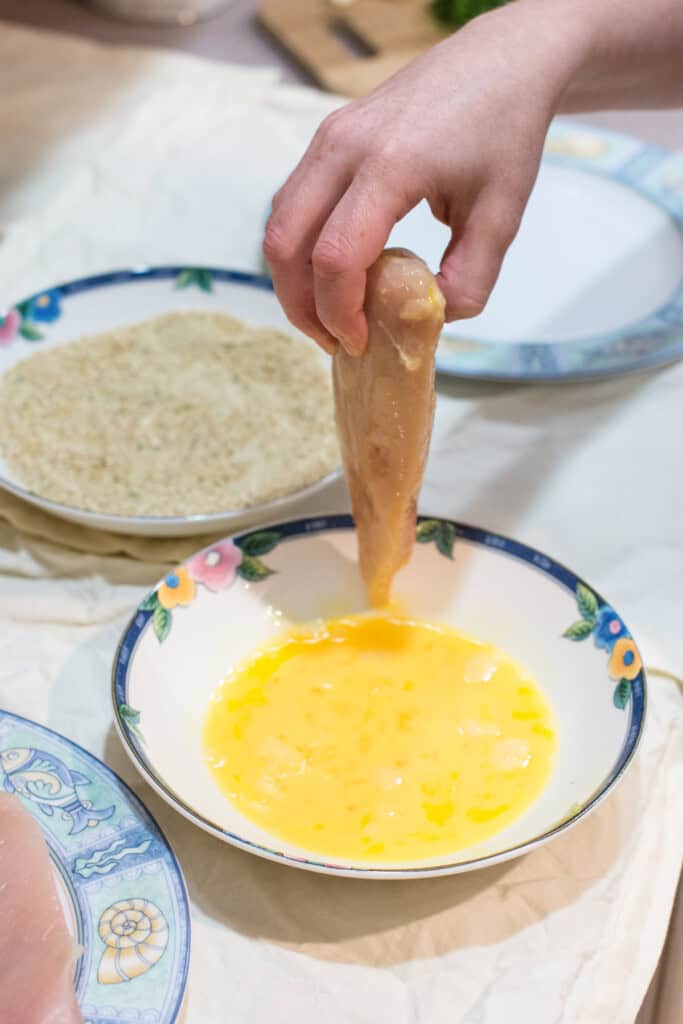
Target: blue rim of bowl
(147, 817)
(211, 519)
(312, 526)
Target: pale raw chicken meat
(37, 953)
(385, 407)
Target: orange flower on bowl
(178, 588)
(625, 661)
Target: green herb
(457, 12)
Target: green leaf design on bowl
(622, 694)
(131, 719)
(252, 569)
(161, 620)
(439, 532)
(579, 630)
(260, 543)
(195, 277)
(445, 539)
(586, 601)
(149, 603)
(427, 531)
(131, 716)
(29, 332)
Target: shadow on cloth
(380, 923)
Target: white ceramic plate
(116, 875)
(227, 600)
(593, 283)
(92, 304)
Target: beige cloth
(34, 522)
(163, 158)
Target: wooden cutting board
(350, 46)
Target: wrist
(551, 41)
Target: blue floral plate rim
(93, 872)
(313, 525)
(28, 322)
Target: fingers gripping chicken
(385, 407)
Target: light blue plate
(118, 877)
(597, 265)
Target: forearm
(622, 53)
(462, 127)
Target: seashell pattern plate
(119, 882)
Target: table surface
(235, 36)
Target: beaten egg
(380, 738)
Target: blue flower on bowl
(44, 307)
(608, 629)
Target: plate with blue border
(119, 882)
(103, 302)
(593, 284)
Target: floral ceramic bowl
(211, 612)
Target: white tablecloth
(112, 158)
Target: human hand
(463, 127)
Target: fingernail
(354, 346)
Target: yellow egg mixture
(379, 738)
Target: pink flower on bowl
(216, 567)
(9, 325)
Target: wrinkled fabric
(166, 158)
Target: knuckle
(332, 129)
(332, 256)
(277, 243)
(383, 163)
